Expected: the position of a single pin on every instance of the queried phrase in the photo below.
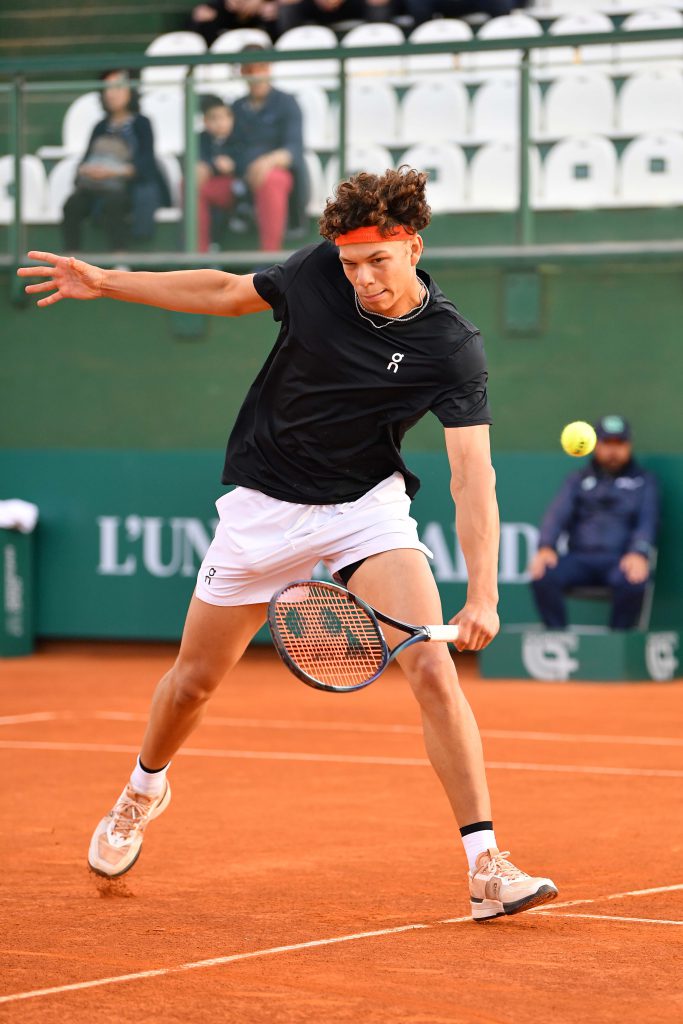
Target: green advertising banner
(122, 534)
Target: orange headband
(373, 234)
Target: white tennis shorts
(262, 543)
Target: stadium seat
(171, 44)
(494, 177)
(439, 30)
(579, 173)
(169, 166)
(230, 42)
(651, 101)
(446, 168)
(317, 194)
(321, 72)
(435, 110)
(60, 185)
(506, 27)
(371, 158)
(165, 107)
(33, 190)
(319, 126)
(639, 56)
(372, 112)
(495, 109)
(651, 171)
(573, 24)
(579, 102)
(81, 117)
(377, 34)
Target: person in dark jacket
(117, 182)
(269, 144)
(610, 513)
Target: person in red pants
(269, 146)
(216, 167)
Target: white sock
(476, 842)
(149, 783)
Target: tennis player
(367, 345)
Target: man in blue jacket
(609, 512)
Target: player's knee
(193, 682)
(432, 676)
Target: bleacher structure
(605, 119)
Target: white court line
(415, 730)
(606, 917)
(222, 960)
(396, 762)
(34, 716)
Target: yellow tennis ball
(578, 438)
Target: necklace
(404, 318)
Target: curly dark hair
(381, 200)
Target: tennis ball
(578, 438)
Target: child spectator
(216, 168)
(118, 182)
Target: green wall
(568, 342)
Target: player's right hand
(543, 559)
(67, 278)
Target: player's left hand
(479, 623)
(635, 567)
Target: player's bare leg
(214, 639)
(401, 584)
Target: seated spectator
(292, 13)
(269, 152)
(216, 167)
(425, 10)
(609, 510)
(118, 182)
(213, 17)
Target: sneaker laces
(501, 866)
(128, 814)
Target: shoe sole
(545, 894)
(155, 814)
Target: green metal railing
(18, 72)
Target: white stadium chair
(446, 168)
(580, 173)
(439, 30)
(640, 56)
(651, 101)
(372, 112)
(436, 110)
(79, 120)
(579, 102)
(574, 24)
(651, 171)
(33, 190)
(171, 44)
(319, 127)
(493, 177)
(372, 158)
(506, 27)
(172, 172)
(392, 69)
(60, 185)
(495, 109)
(165, 107)
(229, 42)
(321, 72)
(317, 194)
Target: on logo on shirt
(395, 360)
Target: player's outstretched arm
(186, 291)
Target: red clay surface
(258, 851)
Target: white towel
(16, 514)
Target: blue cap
(613, 428)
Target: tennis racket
(331, 640)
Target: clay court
(308, 869)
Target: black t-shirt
(323, 421)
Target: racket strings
(328, 635)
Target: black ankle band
(152, 771)
(477, 826)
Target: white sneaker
(498, 888)
(117, 840)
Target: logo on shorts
(395, 360)
(210, 574)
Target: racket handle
(444, 633)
